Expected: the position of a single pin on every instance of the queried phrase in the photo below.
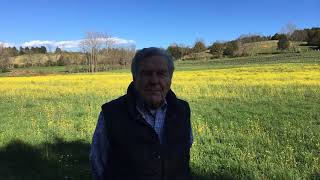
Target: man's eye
(162, 73)
(158, 73)
(145, 73)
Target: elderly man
(145, 134)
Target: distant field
(271, 47)
(253, 118)
(35, 71)
(300, 58)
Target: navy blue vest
(135, 151)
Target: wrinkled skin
(153, 80)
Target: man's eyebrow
(158, 70)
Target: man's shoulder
(181, 102)
(183, 105)
(115, 103)
(174, 101)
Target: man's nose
(154, 77)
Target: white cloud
(68, 44)
(6, 44)
(119, 41)
(37, 43)
(73, 44)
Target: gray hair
(149, 52)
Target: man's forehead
(154, 63)
(153, 68)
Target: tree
(110, 54)
(21, 51)
(276, 36)
(12, 51)
(28, 59)
(26, 50)
(283, 42)
(311, 36)
(199, 46)
(116, 57)
(91, 46)
(175, 51)
(109, 42)
(178, 51)
(314, 37)
(15, 51)
(5, 60)
(288, 29)
(33, 50)
(217, 49)
(232, 48)
(43, 50)
(248, 38)
(58, 50)
(299, 35)
(37, 50)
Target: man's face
(153, 80)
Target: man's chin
(154, 103)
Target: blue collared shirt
(98, 156)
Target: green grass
(221, 63)
(253, 118)
(49, 69)
(263, 135)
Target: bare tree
(288, 29)
(91, 46)
(109, 43)
(131, 50)
(107, 57)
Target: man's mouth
(153, 90)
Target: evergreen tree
(58, 50)
(283, 43)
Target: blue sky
(149, 22)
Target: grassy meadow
(253, 118)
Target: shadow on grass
(58, 160)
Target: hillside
(270, 47)
(254, 49)
(312, 57)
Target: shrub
(283, 43)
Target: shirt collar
(142, 105)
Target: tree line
(235, 47)
(101, 52)
(98, 52)
(13, 51)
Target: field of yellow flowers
(257, 121)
